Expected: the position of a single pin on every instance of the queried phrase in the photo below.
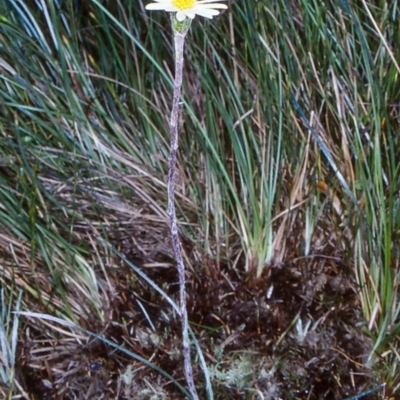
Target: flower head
(188, 8)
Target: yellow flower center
(183, 4)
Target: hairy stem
(179, 41)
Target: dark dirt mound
(294, 333)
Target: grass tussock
(287, 198)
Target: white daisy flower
(188, 8)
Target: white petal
(190, 13)
(206, 13)
(205, 1)
(209, 3)
(211, 6)
(155, 6)
(180, 16)
(161, 4)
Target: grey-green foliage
(9, 323)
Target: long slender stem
(179, 41)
